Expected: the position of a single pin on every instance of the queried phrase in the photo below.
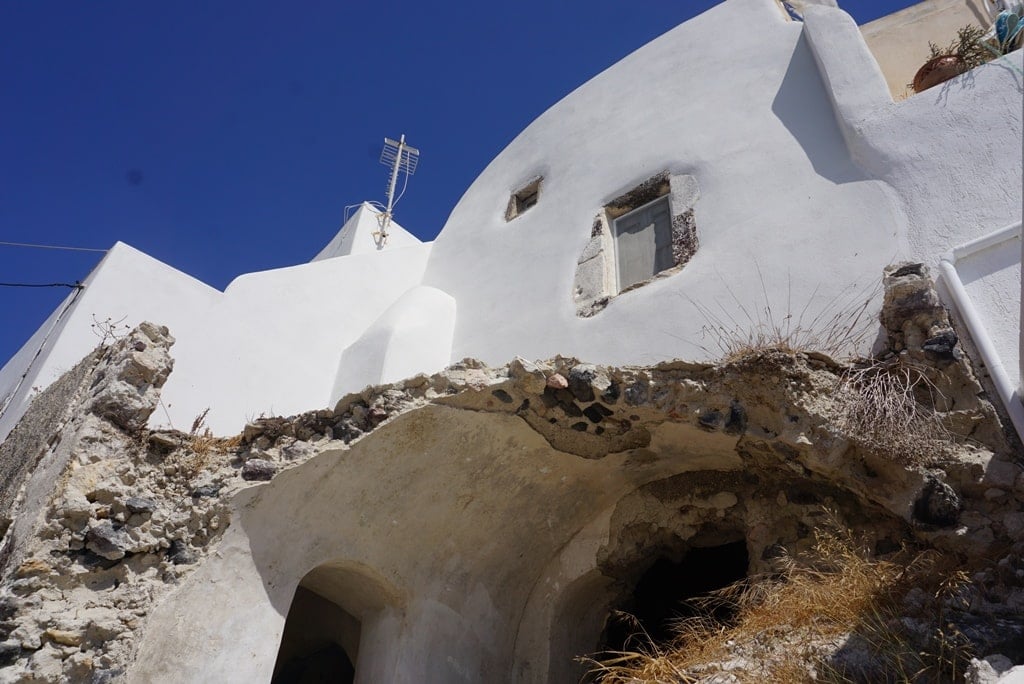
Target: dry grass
(202, 446)
(832, 616)
(840, 327)
(888, 407)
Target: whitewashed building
(698, 185)
(779, 158)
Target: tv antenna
(402, 158)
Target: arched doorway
(335, 607)
(320, 642)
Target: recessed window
(643, 243)
(646, 233)
(523, 199)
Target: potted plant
(963, 54)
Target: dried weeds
(837, 614)
(889, 408)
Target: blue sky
(227, 137)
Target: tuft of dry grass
(888, 407)
(202, 446)
(839, 328)
(836, 615)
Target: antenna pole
(394, 174)
(400, 157)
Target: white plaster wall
(809, 185)
(126, 286)
(750, 119)
(268, 344)
(413, 336)
(952, 155)
(280, 334)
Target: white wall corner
(852, 77)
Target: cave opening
(319, 644)
(662, 594)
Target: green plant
(968, 47)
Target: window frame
(667, 199)
(517, 201)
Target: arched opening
(661, 593)
(333, 629)
(320, 642)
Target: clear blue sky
(227, 137)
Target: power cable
(70, 249)
(73, 286)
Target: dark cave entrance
(320, 642)
(660, 594)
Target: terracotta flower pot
(938, 70)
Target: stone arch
(599, 569)
(334, 625)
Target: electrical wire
(70, 249)
(75, 286)
(405, 184)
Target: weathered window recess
(647, 233)
(523, 199)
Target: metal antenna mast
(401, 158)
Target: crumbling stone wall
(104, 524)
(29, 441)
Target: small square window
(523, 199)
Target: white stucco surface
(952, 155)
(775, 176)
(126, 287)
(413, 336)
(284, 331)
(268, 344)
